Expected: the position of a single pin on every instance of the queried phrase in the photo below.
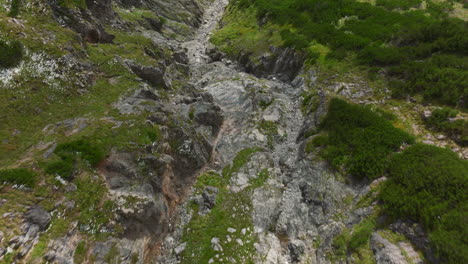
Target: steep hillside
(97, 145)
(242, 131)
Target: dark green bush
(14, 8)
(86, 149)
(71, 153)
(11, 54)
(19, 176)
(360, 139)
(428, 184)
(442, 78)
(62, 167)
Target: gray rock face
(298, 200)
(36, 220)
(386, 252)
(296, 249)
(36, 215)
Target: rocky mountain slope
(131, 134)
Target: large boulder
(152, 75)
(38, 216)
(208, 114)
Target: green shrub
(70, 153)
(14, 8)
(360, 139)
(340, 244)
(86, 149)
(62, 167)
(442, 78)
(428, 184)
(18, 176)
(11, 54)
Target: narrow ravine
(291, 208)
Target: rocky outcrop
(415, 233)
(188, 12)
(282, 63)
(388, 253)
(88, 22)
(36, 221)
(152, 75)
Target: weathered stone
(386, 252)
(296, 249)
(415, 233)
(216, 245)
(180, 248)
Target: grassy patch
(73, 3)
(80, 252)
(239, 161)
(261, 179)
(91, 205)
(135, 15)
(232, 210)
(361, 234)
